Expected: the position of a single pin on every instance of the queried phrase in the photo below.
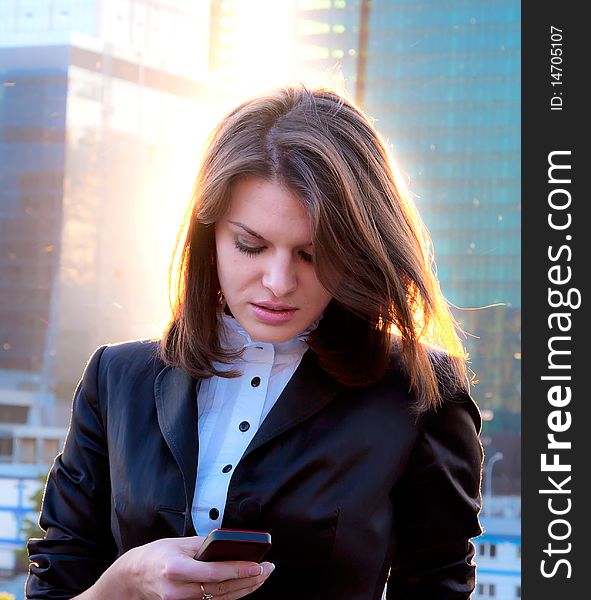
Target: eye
(253, 250)
(246, 249)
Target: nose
(280, 276)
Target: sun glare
(263, 51)
(255, 46)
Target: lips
(272, 306)
(273, 314)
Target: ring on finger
(205, 596)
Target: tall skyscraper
(442, 80)
(101, 110)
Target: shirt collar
(234, 337)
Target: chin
(272, 334)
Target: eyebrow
(255, 234)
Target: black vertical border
(543, 131)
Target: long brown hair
(371, 249)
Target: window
(50, 450)
(13, 414)
(28, 450)
(487, 550)
(486, 590)
(6, 449)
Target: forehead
(269, 208)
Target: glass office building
(94, 96)
(99, 100)
(32, 143)
(442, 81)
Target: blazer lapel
(176, 405)
(307, 392)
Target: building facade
(442, 81)
(498, 555)
(101, 102)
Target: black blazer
(350, 486)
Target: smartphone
(234, 544)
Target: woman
(310, 384)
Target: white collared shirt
(231, 411)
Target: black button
(255, 381)
(259, 347)
(244, 426)
(214, 513)
(249, 508)
(227, 469)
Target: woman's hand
(166, 570)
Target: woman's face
(264, 261)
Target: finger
(240, 585)
(216, 572)
(237, 588)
